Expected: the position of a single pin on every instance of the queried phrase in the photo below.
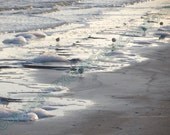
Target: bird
(113, 39)
(124, 24)
(5, 101)
(161, 23)
(163, 36)
(113, 46)
(81, 70)
(57, 39)
(143, 28)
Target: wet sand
(134, 100)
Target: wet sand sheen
(122, 106)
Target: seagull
(6, 101)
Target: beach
(118, 86)
(122, 106)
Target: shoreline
(122, 107)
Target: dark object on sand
(144, 30)
(113, 39)
(57, 39)
(77, 41)
(162, 36)
(161, 23)
(81, 70)
(6, 101)
(113, 47)
(74, 60)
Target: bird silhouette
(161, 23)
(57, 39)
(144, 30)
(6, 101)
(163, 36)
(113, 39)
(81, 70)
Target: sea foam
(41, 113)
(14, 115)
(49, 58)
(18, 40)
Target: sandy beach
(128, 98)
(134, 100)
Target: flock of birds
(5, 101)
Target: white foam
(41, 113)
(18, 40)
(39, 34)
(14, 115)
(31, 36)
(143, 42)
(56, 89)
(113, 53)
(49, 58)
(55, 92)
(28, 36)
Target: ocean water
(68, 38)
(25, 15)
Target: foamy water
(29, 31)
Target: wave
(33, 6)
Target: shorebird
(57, 39)
(5, 101)
(81, 70)
(113, 40)
(124, 24)
(161, 23)
(144, 30)
(163, 36)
